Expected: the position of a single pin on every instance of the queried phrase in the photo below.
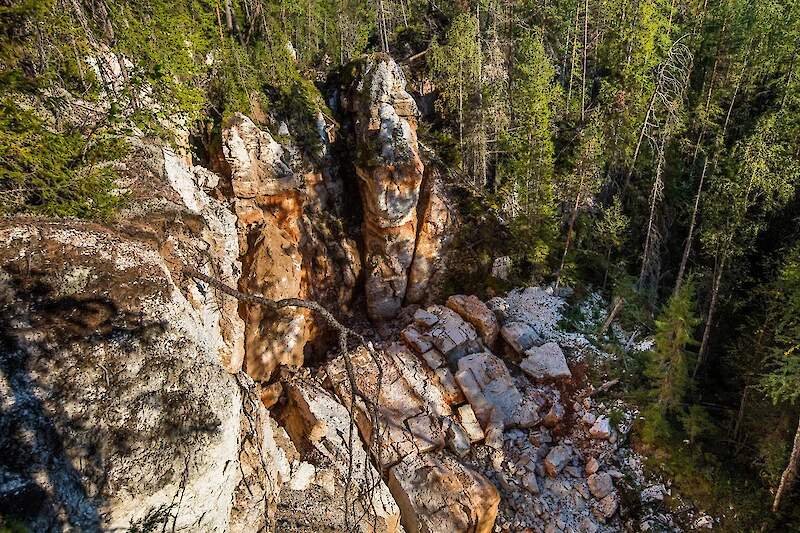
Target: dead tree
(344, 335)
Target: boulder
(520, 336)
(450, 329)
(546, 362)
(557, 459)
(476, 313)
(600, 485)
(501, 268)
(491, 392)
(319, 427)
(437, 494)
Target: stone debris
(476, 313)
(546, 362)
(554, 415)
(600, 485)
(601, 429)
(520, 336)
(592, 466)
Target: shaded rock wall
(117, 407)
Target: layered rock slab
(320, 428)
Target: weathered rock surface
(437, 494)
(319, 427)
(476, 313)
(116, 404)
(450, 330)
(557, 459)
(546, 361)
(390, 175)
(435, 230)
(491, 392)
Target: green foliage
(670, 360)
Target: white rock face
(124, 366)
(546, 362)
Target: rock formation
(118, 410)
(288, 254)
(390, 173)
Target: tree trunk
(585, 42)
(789, 475)
(572, 60)
(688, 246)
(653, 201)
(615, 309)
(569, 230)
(710, 318)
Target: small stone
(554, 415)
(601, 428)
(470, 424)
(573, 471)
(556, 460)
(592, 466)
(530, 483)
(456, 437)
(600, 485)
(501, 268)
(588, 526)
(589, 418)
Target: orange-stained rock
(476, 313)
(273, 269)
(438, 494)
(390, 174)
(435, 227)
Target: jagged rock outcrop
(118, 409)
(291, 238)
(390, 173)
